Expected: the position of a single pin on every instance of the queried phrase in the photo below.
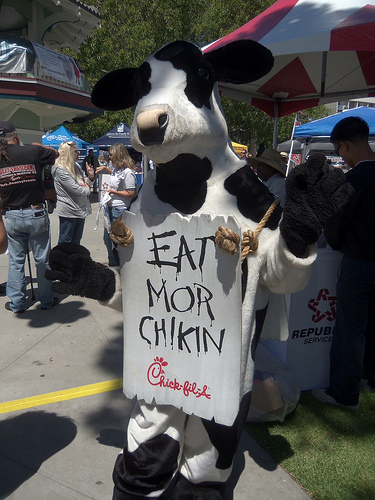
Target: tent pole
(324, 74)
(296, 120)
(303, 153)
(275, 123)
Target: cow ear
(116, 90)
(242, 61)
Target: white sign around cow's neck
(182, 315)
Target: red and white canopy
(324, 52)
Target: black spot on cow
(136, 468)
(253, 197)
(199, 73)
(226, 438)
(142, 85)
(182, 182)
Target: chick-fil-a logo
(156, 376)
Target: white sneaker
(322, 395)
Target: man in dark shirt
(92, 160)
(25, 215)
(352, 232)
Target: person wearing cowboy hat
(271, 169)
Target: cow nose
(151, 126)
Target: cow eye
(203, 73)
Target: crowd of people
(24, 226)
(24, 218)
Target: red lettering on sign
(156, 377)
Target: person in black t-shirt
(25, 215)
(352, 232)
(92, 160)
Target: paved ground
(63, 446)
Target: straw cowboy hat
(272, 158)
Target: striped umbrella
(324, 52)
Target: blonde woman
(73, 191)
(122, 187)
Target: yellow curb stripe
(55, 397)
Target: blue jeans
(71, 230)
(24, 227)
(353, 345)
(114, 214)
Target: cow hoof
(185, 490)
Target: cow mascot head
(178, 109)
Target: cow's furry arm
(282, 271)
(73, 272)
(315, 191)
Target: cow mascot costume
(205, 246)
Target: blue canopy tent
(319, 131)
(62, 135)
(323, 127)
(120, 133)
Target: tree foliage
(131, 30)
(252, 127)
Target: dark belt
(39, 206)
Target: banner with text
(58, 66)
(182, 315)
(311, 318)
